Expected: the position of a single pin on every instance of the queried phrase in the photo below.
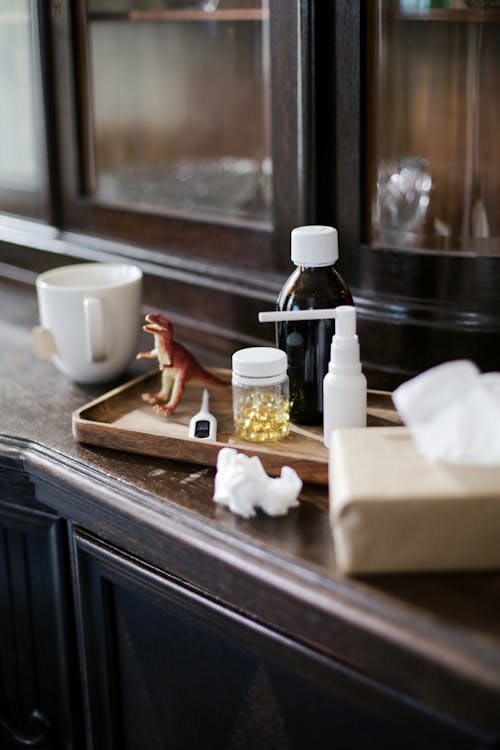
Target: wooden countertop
(435, 637)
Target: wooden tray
(120, 419)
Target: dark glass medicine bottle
(315, 284)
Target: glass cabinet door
(179, 108)
(21, 125)
(434, 137)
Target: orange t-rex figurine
(176, 363)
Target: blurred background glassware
(438, 77)
(412, 6)
(403, 197)
(225, 186)
(208, 5)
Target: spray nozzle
(345, 317)
(345, 322)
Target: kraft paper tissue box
(392, 510)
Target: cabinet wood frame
(415, 308)
(100, 572)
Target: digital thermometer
(203, 426)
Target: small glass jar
(261, 395)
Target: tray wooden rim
(310, 467)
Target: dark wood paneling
(452, 675)
(163, 663)
(37, 692)
(418, 310)
(293, 154)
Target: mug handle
(94, 329)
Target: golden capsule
(260, 418)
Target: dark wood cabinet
(422, 299)
(158, 623)
(162, 662)
(131, 112)
(39, 688)
(171, 123)
(101, 648)
(301, 99)
(134, 610)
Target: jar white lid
(314, 245)
(260, 362)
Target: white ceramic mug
(90, 315)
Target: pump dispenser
(314, 285)
(344, 386)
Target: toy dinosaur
(176, 363)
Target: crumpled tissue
(453, 413)
(242, 485)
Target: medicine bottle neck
(302, 267)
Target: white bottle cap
(259, 365)
(314, 245)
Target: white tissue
(242, 485)
(453, 413)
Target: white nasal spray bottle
(344, 385)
